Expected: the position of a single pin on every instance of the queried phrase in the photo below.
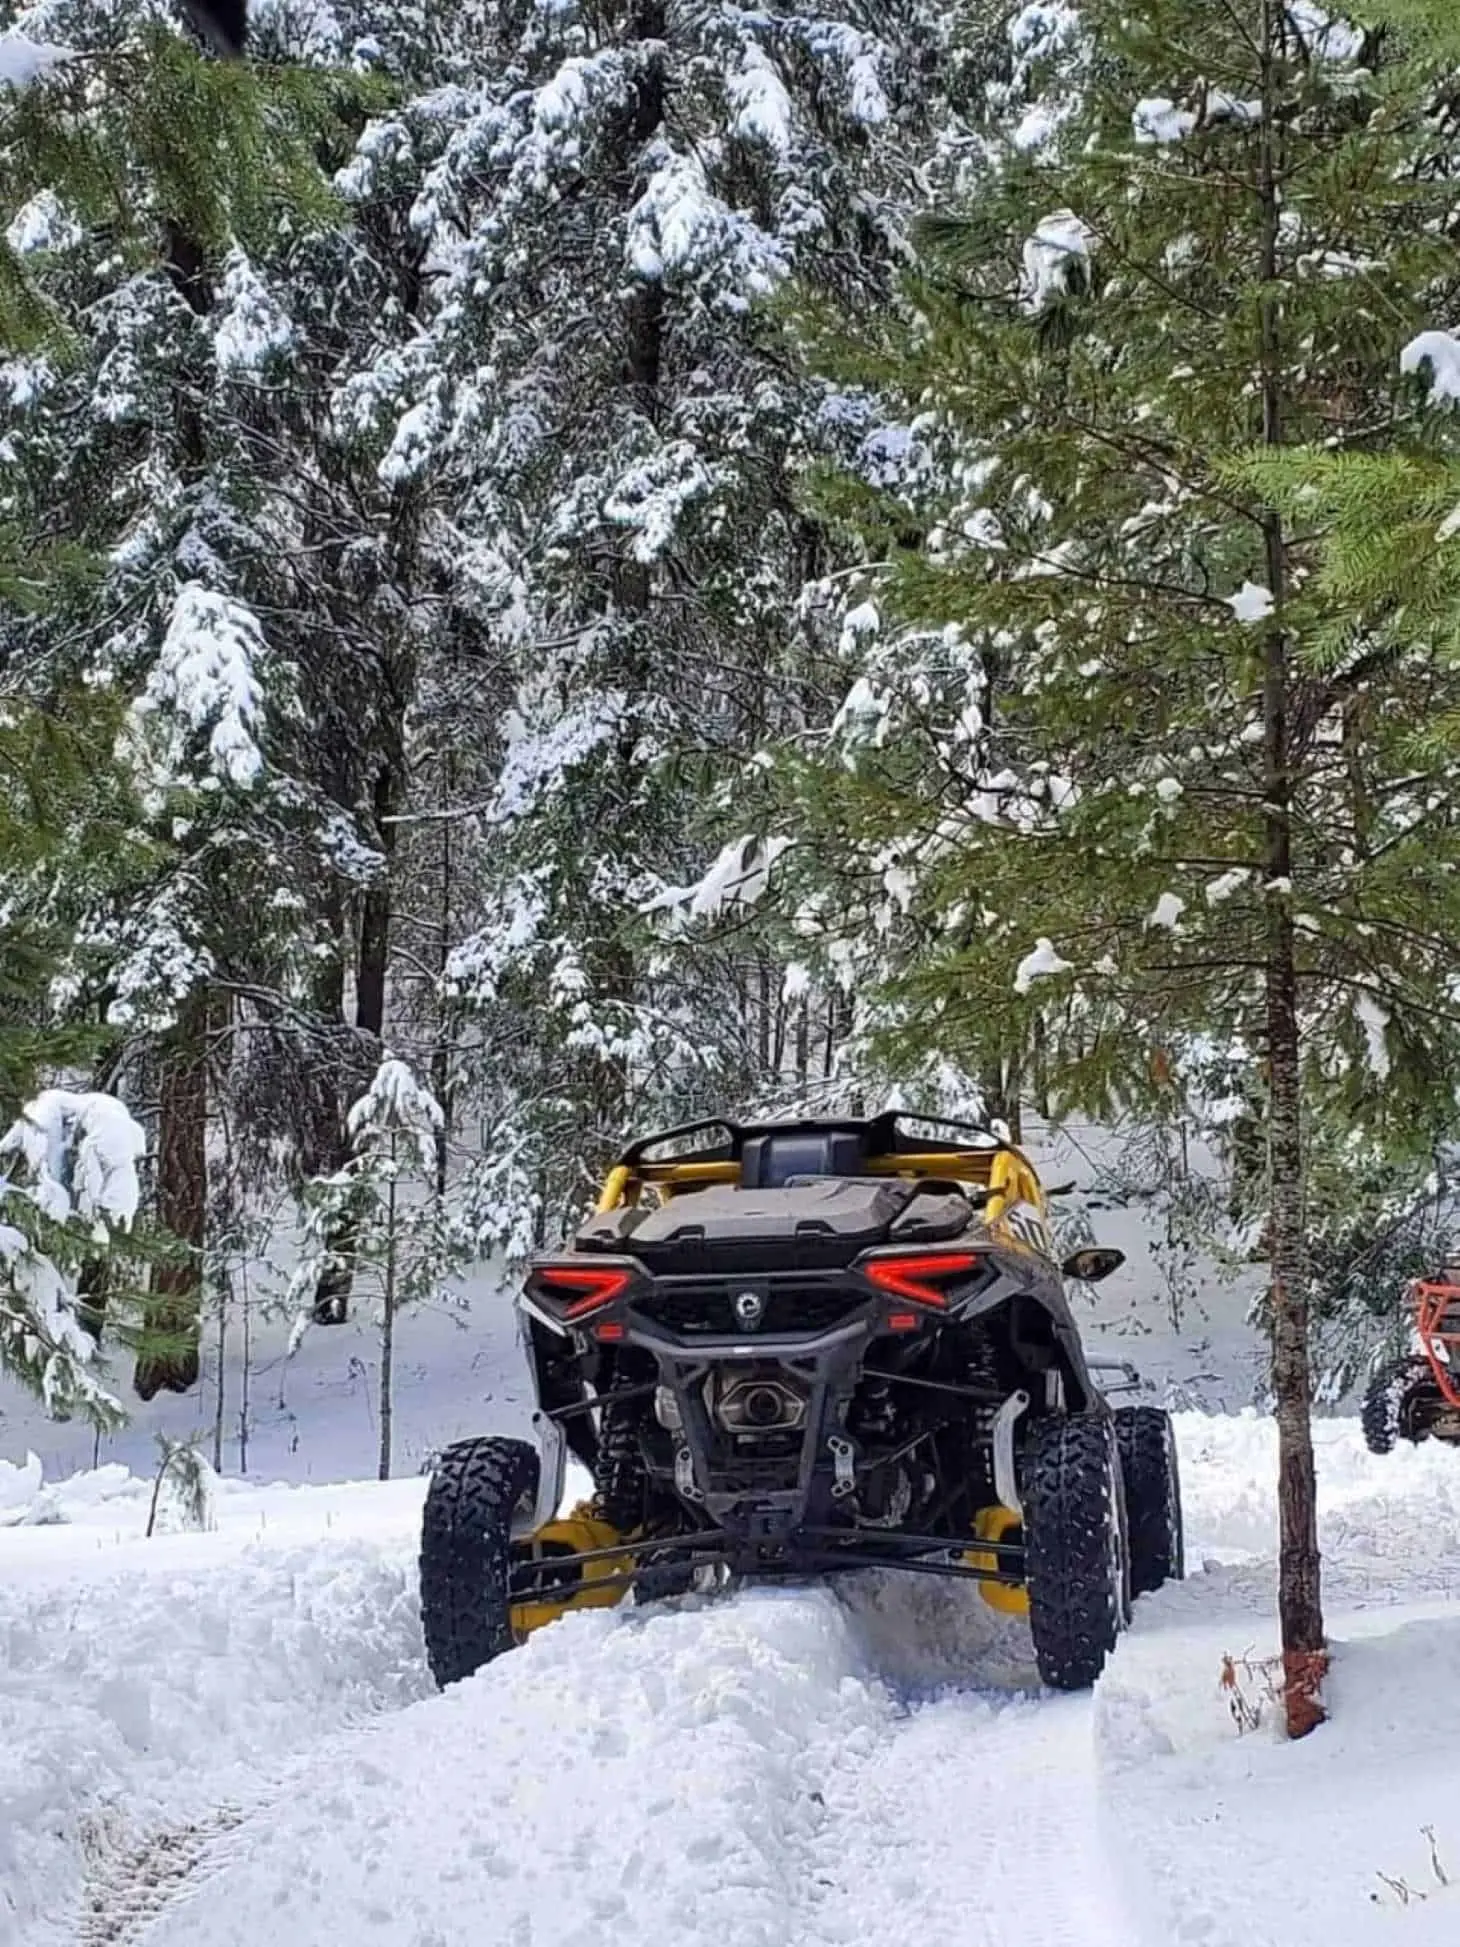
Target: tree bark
(1300, 1607)
(387, 1325)
(613, 970)
(168, 1359)
(332, 1293)
(441, 1050)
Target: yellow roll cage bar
(1006, 1173)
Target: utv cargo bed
(810, 1224)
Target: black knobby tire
(466, 1544)
(1384, 1416)
(620, 1478)
(1147, 1444)
(1076, 1556)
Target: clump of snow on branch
(763, 111)
(1056, 259)
(1374, 1020)
(77, 1156)
(1440, 350)
(512, 935)
(251, 329)
(650, 498)
(544, 743)
(1159, 120)
(23, 61)
(43, 223)
(81, 1152)
(1167, 911)
(739, 878)
(1251, 603)
(1038, 34)
(1044, 963)
(1326, 35)
(206, 679)
(396, 1105)
(680, 230)
(1220, 889)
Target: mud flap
(577, 1585)
(997, 1524)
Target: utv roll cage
(764, 1156)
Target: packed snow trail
(736, 1774)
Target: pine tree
(606, 434)
(137, 177)
(382, 1202)
(1180, 816)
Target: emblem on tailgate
(749, 1310)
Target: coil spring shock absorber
(876, 1415)
(981, 1369)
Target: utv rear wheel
(466, 1543)
(1076, 1555)
(1388, 1413)
(1148, 1465)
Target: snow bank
(1389, 1529)
(1248, 1841)
(150, 1686)
(191, 1732)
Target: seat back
(769, 1162)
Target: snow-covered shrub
(73, 1198)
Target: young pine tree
(1183, 813)
(383, 1203)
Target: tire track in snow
(130, 1885)
(738, 1774)
(139, 1696)
(980, 1818)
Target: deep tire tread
(1072, 1517)
(466, 1542)
(1147, 1444)
(1382, 1416)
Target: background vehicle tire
(1385, 1417)
(1076, 1554)
(466, 1542)
(1146, 1441)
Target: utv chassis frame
(790, 1533)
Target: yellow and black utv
(795, 1349)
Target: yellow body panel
(600, 1584)
(996, 1524)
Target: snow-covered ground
(206, 1737)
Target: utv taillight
(920, 1277)
(583, 1289)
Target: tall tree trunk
(613, 970)
(331, 1302)
(441, 1049)
(387, 1323)
(168, 1360)
(1300, 1606)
